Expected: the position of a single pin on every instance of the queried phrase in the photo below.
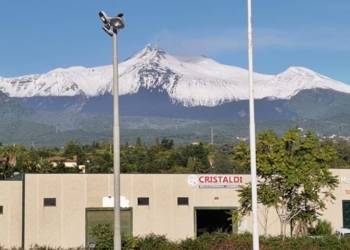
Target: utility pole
(252, 132)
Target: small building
(59, 209)
(68, 163)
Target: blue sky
(40, 35)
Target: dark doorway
(346, 214)
(211, 220)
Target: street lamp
(116, 23)
(252, 131)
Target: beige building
(59, 209)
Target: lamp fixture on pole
(111, 27)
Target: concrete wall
(11, 219)
(163, 215)
(334, 212)
(64, 224)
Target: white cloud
(226, 40)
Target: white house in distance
(59, 209)
(68, 163)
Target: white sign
(345, 180)
(108, 201)
(215, 181)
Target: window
(1, 209)
(49, 202)
(143, 201)
(182, 201)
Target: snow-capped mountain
(191, 81)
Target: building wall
(11, 219)
(64, 224)
(334, 211)
(163, 215)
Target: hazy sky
(40, 35)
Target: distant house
(68, 163)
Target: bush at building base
(218, 241)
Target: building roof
(59, 158)
(56, 158)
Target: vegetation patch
(216, 241)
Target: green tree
(138, 142)
(343, 152)
(294, 176)
(75, 149)
(167, 144)
(199, 156)
(46, 152)
(99, 162)
(222, 163)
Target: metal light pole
(252, 132)
(115, 23)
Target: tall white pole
(116, 145)
(252, 132)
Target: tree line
(161, 157)
(294, 177)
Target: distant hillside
(181, 131)
(10, 109)
(319, 104)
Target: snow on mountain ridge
(295, 79)
(190, 80)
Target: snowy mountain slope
(195, 81)
(295, 79)
(191, 81)
(59, 82)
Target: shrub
(129, 242)
(323, 227)
(153, 242)
(214, 241)
(103, 233)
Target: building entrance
(211, 220)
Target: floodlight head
(117, 22)
(104, 18)
(120, 15)
(107, 30)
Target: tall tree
(293, 176)
(75, 149)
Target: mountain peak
(189, 80)
(304, 73)
(70, 69)
(151, 49)
(300, 70)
